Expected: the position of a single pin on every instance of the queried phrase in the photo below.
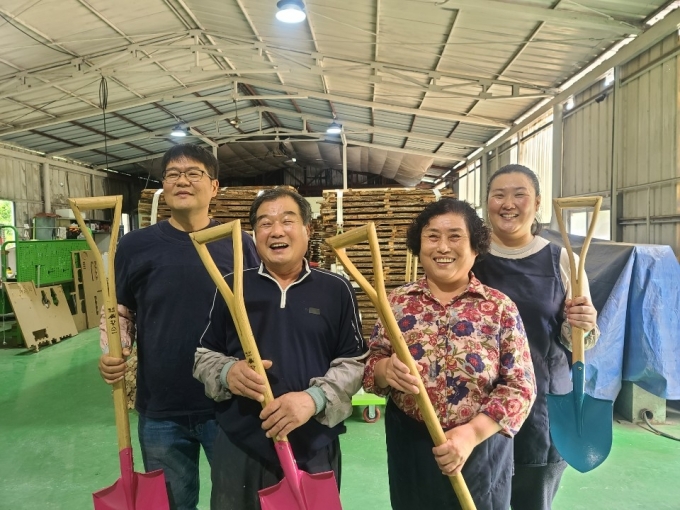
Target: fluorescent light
(179, 131)
(445, 174)
(334, 129)
(290, 11)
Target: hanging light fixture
(290, 11)
(334, 129)
(178, 131)
(236, 122)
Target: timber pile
(315, 250)
(392, 210)
(230, 204)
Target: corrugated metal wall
(587, 150)
(650, 129)
(21, 182)
(648, 173)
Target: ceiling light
(334, 129)
(178, 131)
(570, 103)
(290, 11)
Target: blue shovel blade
(581, 427)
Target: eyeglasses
(194, 175)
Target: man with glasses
(164, 295)
(306, 325)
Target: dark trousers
(174, 445)
(534, 487)
(238, 475)
(416, 481)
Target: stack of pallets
(230, 204)
(392, 210)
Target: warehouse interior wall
(21, 182)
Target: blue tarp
(636, 290)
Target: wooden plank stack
(392, 210)
(230, 204)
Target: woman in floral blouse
(469, 344)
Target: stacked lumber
(230, 204)
(315, 250)
(392, 210)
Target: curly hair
(479, 232)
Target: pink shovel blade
(299, 490)
(133, 491)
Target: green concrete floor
(58, 445)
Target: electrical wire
(644, 413)
(103, 103)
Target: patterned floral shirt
(472, 354)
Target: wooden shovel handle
(234, 299)
(107, 280)
(378, 297)
(577, 275)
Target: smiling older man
(306, 324)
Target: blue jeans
(174, 445)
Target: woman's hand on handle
(460, 441)
(392, 372)
(581, 313)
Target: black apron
(535, 285)
(416, 481)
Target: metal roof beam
(132, 103)
(376, 130)
(432, 114)
(327, 139)
(578, 19)
(149, 134)
(402, 151)
(643, 42)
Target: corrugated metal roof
(403, 75)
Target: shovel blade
(318, 492)
(582, 433)
(147, 491)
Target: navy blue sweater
(160, 276)
(302, 330)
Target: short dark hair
(519, 169)
(480, 233)
(269, 195)
(194, 152)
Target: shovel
(132, 491)
(297, 490)
(378, 297)
(580, 425)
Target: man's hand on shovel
(287, 412)
(244, 381)
(113, 369)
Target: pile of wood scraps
(392, 210)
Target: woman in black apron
(472, 352)
(535, 275)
